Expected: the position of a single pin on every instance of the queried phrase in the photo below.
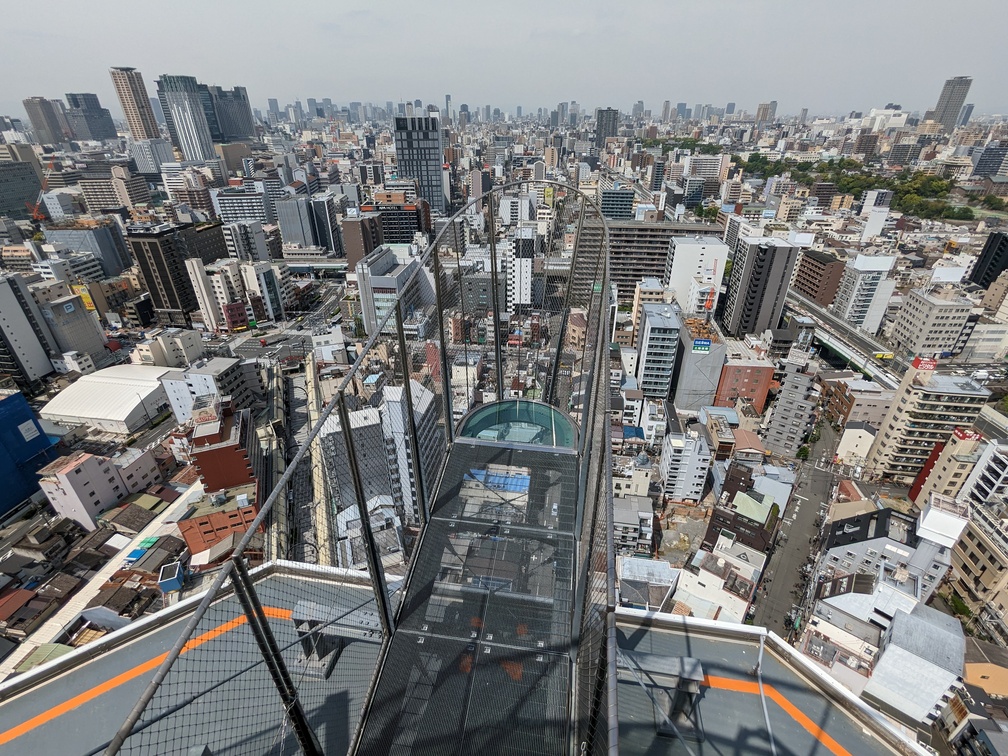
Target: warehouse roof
(110, 394)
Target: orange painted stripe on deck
(752, 688)
(130, 674)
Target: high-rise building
(637, 249)
(246, 241)
(927, 408)
(930, 322)
(136, 105)
(965, 114)
(694, 271)
(864, 291)
(993, 260)
(760, 276)
(666, 111)
(657, 344)
(19, 188)
(119, 189)
(606, 125)
(100, 236)
(233, 113)
(361, 236)
(617, 203)
(26, 342)
(818, 276)
(75, 329)
(88, 119)
(161, 251)
(150, 154)
(766, 112)
(681, 110)
(951, 101)
(729, 109)
(235, 205)
(185, 113)
(793, 412)
(47, 119)
(382, 279)
(685, 461)
(310, 222)
(420, 155)
(271, 283)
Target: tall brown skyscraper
(135, 103)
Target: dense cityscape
(431, 427)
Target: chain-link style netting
(434, 565)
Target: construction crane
(36, 209)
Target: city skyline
(852, 82)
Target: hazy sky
(831, 57)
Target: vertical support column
(370, 547)
(495, 298)
(418, 474)
(270, 651)
(445, 375)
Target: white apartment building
(927, 408)
(272, 283)
(685, 462)
(864, 291)
(81, 485)
(930, 322)
(696, 263)
(246, 241)
(168, 347)
(657, 343)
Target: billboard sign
(701, 345)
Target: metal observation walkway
(434, 571)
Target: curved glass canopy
(520, 421)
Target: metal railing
(495, 307)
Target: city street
(778, 592)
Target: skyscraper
(965, 114)
(135, 103)
(666, 111)
(184, 111)
(46, 120)
(233, 113)
(766, 112)
(730, 109)
(88, 119)
(606, 125)
(951, 100)
(760, 275)
(420, 156)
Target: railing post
(495, 298)
(418, 474)
(370, 547)
(445, 375)
(271, 654)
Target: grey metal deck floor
(80, 710)
(803, 720)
